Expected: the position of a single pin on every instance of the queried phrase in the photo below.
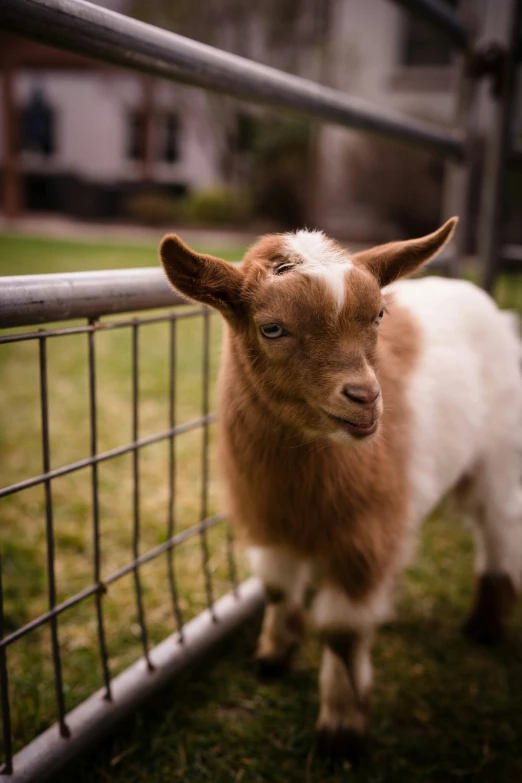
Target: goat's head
(305, 317)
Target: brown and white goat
(348, 409)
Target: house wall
(91, 115)
(366, 45)
(363, 60)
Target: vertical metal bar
(136, 492)
(7, 767)
(171, 523)
(204, 465)
(231, 558)
(55, 646)
(498, 143)
(458, 178)
(96, 515)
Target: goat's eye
(379, 317)
(272, 331)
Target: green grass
(31, 255)
(442, 709)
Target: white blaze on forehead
(318, 256)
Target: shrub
(216, 206)
(402, 184)
(153, 208)
(280, 171)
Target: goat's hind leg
(498, 541)
(285, 580)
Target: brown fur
(389, 262)
(343, 506)
(289, 484)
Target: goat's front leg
(284, 578)
(346, 630)
(344, 687)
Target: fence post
(501, 25)
(458, 178)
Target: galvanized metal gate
(490, 53)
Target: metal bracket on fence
(488, 60)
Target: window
(423, 45)
(165, 129)
(246, 129)
(169, 137)
(135, 143)
(38, 125)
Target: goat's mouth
(352, 428)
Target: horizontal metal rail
(96, 32)
(98, 326)
(41, 759)
(180, 429)
(36, 299)
(442, 17)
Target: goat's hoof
(484, 633)
(341, 743)
(272, 667)
(495, 597)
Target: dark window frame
(169, 148)
(422, 46)
(38, 124)
(135, 135)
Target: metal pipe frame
(24, 301)
(96, 32)
(499, 151)
(37, 299)
(94, 718)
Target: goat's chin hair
(345, 439)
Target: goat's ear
(204, 278)
(398, 259)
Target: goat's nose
(364, 395)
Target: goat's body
(473, 421)
(317, 498)
(340, 434)
(341, 509)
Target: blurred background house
(98, 143)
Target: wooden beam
(149, 129)
(23, 53)
(12, 195)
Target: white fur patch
(465, 397)
(320, 258)
(278, 568)
(332, 608)
(339, 708)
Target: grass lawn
(442, 709)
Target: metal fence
(46, 298)
(93, 297)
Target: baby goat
(348, 409)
